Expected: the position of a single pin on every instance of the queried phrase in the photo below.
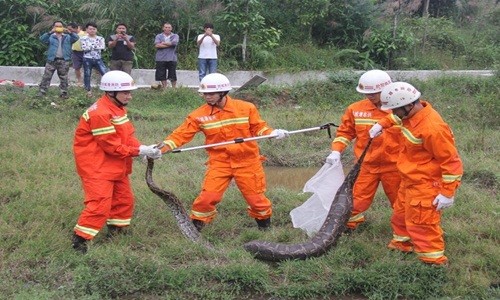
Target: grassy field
(41, 198)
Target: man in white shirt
(207, 58)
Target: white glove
(280, 133)
(333, 158)
(150, 151)
(375, 130)
(442, 202)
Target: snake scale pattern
(176, 207)
(319, 244)
(328, 234)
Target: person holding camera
(121, 45)
(207, 57)
(59, 40)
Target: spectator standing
(92, 45)
(77, 52)
(166, 56)
(104, 146)
(431, 171)
(59, 40)
(207, 57)
(121, 45)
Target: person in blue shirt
(59, 40)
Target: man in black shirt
(121, 45)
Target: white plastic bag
(311, 215)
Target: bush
(17, 45)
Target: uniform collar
(420, 115)
(228, 107)
(370, 105)
(111, 102)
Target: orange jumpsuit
(241, 161)
(430, 165)
(104, 145)
(379, 164)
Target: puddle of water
(292, 178)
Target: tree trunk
(394, 33)
(244, 48)
(425, 15)
(245, 38)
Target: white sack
(311, 215)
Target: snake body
(327, 235)
(183, 221)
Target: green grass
(41, 198)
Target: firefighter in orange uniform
(104, 145)
(379, 165)
(224, 119)
(431, 171)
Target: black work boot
(198, 224)
(264, 224)
(114, 231)
(79, 243)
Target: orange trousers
(416, 220)
(364, 191)
(106, 202)
(251, 182)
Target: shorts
(164, 67)
(77, 57)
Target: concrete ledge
(31, 76)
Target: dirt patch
(483, 178)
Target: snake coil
(328, 234)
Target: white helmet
(398, 94)
(373, 82)
(116, 81)
(213, 83)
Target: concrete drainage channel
(32, 76)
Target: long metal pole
(242, 140)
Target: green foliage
(345, 23)
(458, 35)
(438, 33)
(247, 32)
(16, 9)
(383, 45)
(17, 45)
(292, 57)
(440, 44)
(354, 58)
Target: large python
(327, 235)
(175, 205)
(320, 243)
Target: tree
(345, 23)
(244, 23)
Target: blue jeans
(206, 66)
(88, 65)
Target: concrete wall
(31, 76)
